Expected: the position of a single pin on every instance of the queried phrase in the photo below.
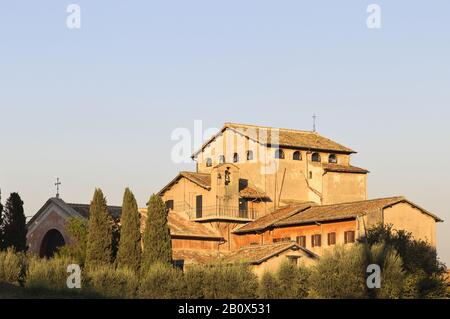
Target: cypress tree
(14, 224)
(156, 239)
(99, 239)
(129, 253)
(1, 221)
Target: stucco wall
(285, 179)
(274, 263)
(344, 187)
(404, 216)
(307, 230)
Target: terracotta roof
(286, 138)
(345, 211)
(268, 220)
(344, 168)
(256, 254)
(196, 256)
(180, 226)
(309, 213)
(201, 179)
(252, 192)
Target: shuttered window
(301, 241)
(316, 240)
(349, 237)
(331, 238)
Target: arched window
(315, 157)
(221, 159)
(208, 162)
(249, 155)
(279, 154)
(297, 156)
(235, 157)
(332, 159)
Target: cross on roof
(314, 122)
(57, 187)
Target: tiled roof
(343, 168)
(252, 192)
(283, 137)
(196, 256)
(273, 217)
(310, 213)
(201, 179)
(338, 211)
(83, 210)
(256, 254)
(180, 226)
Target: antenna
(57, 187)
(314, 122)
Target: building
(260, 195)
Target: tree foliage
(423, 269)
(129, 252)
(14, 227)
(100, 232)
(77, 229)
(156, 239)
(293, 281)
(341, 273)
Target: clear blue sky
(96, 106)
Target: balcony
(216, 212)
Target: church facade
(260, 195)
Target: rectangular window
(316, 240)
(199, 206)
(169, 204)
(349, 237)
(301, 241)
(331, 238)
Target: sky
(96, 106)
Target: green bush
(194, 278)
(47, 274)
(77, 229)
(269, 287)
(293, 281)
(161, 281)
(112, 283)
(339, 274)
(12, 266)
(230, 282)
(342, 273)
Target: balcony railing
(216, 211)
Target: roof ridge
(291, 242)
(226, 124)
(362, 201)
(189, 172)
(112, 206)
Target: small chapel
(259, 195)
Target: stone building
(260, 195)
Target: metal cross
(57, 187)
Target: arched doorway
(52, 240)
